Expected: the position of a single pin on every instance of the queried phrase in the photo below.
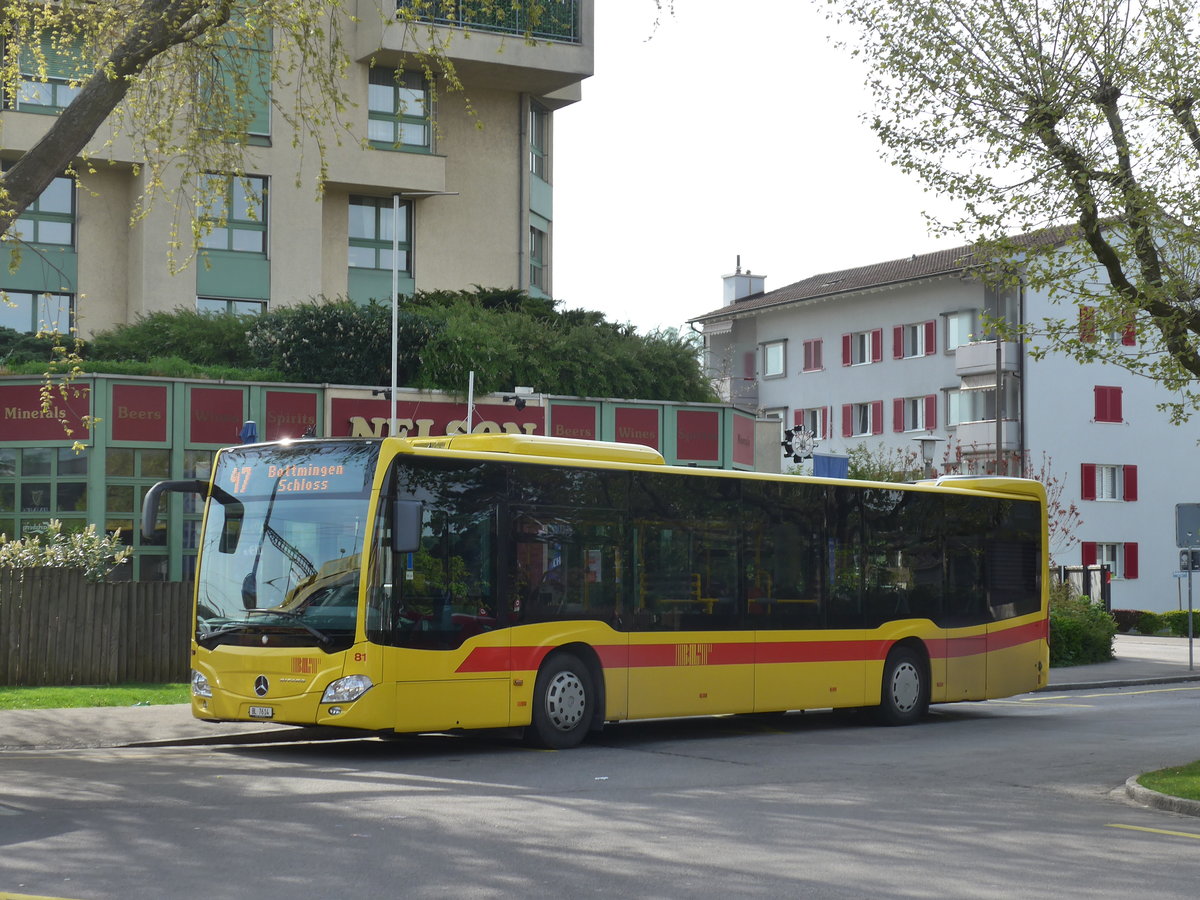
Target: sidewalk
(1140, 660)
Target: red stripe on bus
(712, 653)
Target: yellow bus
(515, 581)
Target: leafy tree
(882, 463)
(1071, 122)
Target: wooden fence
(58, 629)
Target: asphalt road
(999, 799)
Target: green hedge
(1081, 632)
(1143, 622)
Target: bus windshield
(282, 545)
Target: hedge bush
(1177, 622)
(1151, 622)
(1081, 632)
(1126, 619)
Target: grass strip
(76, 696)
(1177, 781)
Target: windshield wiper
(298, 618)
(223, 630)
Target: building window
(234, 210)
(1121, 558)
(812, 355)
(31, 312)
(953, 410)
(1104, 482)
(46, 76)
(774, 359)
(539, 141)
(862, 347)
(915, 413)
(50, 219)
(1108, 404)
(960, 328)
(909, 341)
(815, 421)
(230, 306)
(1088, 330)
(398, 110)
(371, 236)
(537, 259)
(38, 484)
(861, 419)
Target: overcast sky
(732, 128)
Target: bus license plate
(262, 712)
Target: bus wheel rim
(566, 699)
(906, 687)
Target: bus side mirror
(150, 503)
(406, 525)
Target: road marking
(4, 895)
(1149, 691)
(1186, 834)
(1044, 701)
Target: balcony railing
(543, 20)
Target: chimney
(741, 285)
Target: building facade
(475, 203)
(884, 355)
(153, 429)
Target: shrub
(1081, 632)
(96, 554)
(203, 338)
(1177, 622)
(1150, 623)
(1126, 619)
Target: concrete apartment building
(888, 353)
(476, 203)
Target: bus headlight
(348, 689)
(200, 686)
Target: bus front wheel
(905, 696)
(563, 702)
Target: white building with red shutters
(888, 353)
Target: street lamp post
(928, 449)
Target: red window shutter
(798, 418)
(847, 419)
(817, 364)
(847, 351)
(1131, 560)
(931, 405)
(825, 422)
(1087, 481)
(898, 414)
(1108, 404)
(1129, 335)
(1087, 324)
(877, 417)
(1130, 490)
(877, 345)
(748, 366)
(1089, 552)
(898, 342)
(930, 338)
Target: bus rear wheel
(905, 696)
(564, 701)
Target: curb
(1147, 797)
(1119, 682)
